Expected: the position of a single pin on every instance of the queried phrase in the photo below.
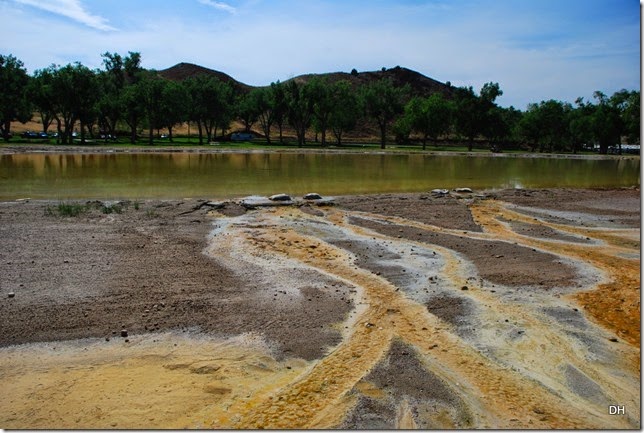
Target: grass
(113, 208)
(66, 209)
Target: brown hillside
(182, 71)
(419, 83)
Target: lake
(227, 175)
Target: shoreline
(9, 149)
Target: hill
(182, 71)
(420, 84)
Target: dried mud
(509, 309)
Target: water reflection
(171, 175)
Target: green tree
(41, 94)
(300, 109)
(529, 128)
(14, 104)
(580, 125)
(469, 118)
(173, 107)
(211, 104)
(112, 81)
(475, 114)
(607, 123)
(383, 102)
(546, 125)
(502, 128)
(132, 93)
(323, 104)
(247, 109)
(344, 116)
(280, 106)
(628, 103)
(151, 87)
(429, 116)
(264, 100)
(75, 94)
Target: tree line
(123, 96)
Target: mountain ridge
(420, 84)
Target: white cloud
(71, 9)
(218, 5)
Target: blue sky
(536, 50)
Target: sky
(536, 50)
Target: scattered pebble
(11, 294)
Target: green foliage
(123, 93)
(321, 92)
(345, 111)
(112, 208)
(300, 105)
(265, 101)
(545, 125)
(68, 209)
(429, 116)
(14, 104)
(248, 109)
(477, 115)
(210, 103)
(382, 102)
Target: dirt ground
(498, 309)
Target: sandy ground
(499, 309)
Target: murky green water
(225, 175)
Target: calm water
(225, 175)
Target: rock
(280, 197)
(11, 294)
(215, 204)
(312, 196)
(123, 332)
(255, 201)
(463, 190)
(440, 192)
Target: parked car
(242, 136)
(32, 134)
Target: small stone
(464, 288)
(123, 332)
(280, 197)
(614, 340)
(312, 196)
(11, 294)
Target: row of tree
(124, 94)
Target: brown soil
(511, 309)
(143, 270)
